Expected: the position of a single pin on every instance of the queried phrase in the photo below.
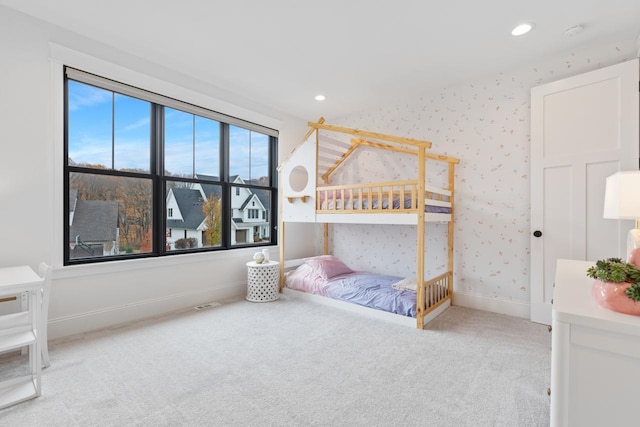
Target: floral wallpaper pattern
(485, 123)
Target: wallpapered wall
(486, 124)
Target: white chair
(45, 272)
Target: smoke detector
(573, 31)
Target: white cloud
(145, 121)
(87, 96)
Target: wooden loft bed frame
(408, 202)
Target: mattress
(355, 204)
(359, 287)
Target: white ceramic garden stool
(262, 281)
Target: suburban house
(93, 227)
(186, 219)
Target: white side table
(262, 281)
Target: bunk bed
(310, 195)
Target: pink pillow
(328, 266)
(321, 257)
(328, 193)
(296, 279)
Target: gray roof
(212, 189)
(263, 196)
(94, 221)
(216, 190)
(246, 202)
(190, 204)
(207, 177)
(209, 189)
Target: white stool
(262, 281)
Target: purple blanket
(371, 290)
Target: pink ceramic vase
(612, 296)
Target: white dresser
(595, 356)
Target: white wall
(91, 297)
(486, 123)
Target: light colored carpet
(294, 363)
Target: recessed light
(521, 29)
(320, 97)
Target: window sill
(242, 255)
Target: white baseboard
(118, 315)
(494, 305)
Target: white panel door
(583, 129)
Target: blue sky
(99, 117)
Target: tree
(213, 221)
(133, 196)
(147, 244)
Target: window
(132, 155)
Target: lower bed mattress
(357, 287)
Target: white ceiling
(360, 53)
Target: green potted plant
(617, 285)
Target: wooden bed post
(281, 236)
(420, 297)
(326, 239)
(450, 226)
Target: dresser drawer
(622, 344)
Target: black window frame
(159, 179)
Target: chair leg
(45, 272)
(24, 302)
(45, 349)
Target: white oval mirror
(298, 178)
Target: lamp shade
(622, 196)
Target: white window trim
(61, 56)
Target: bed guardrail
(437, 290)
(401, 196)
